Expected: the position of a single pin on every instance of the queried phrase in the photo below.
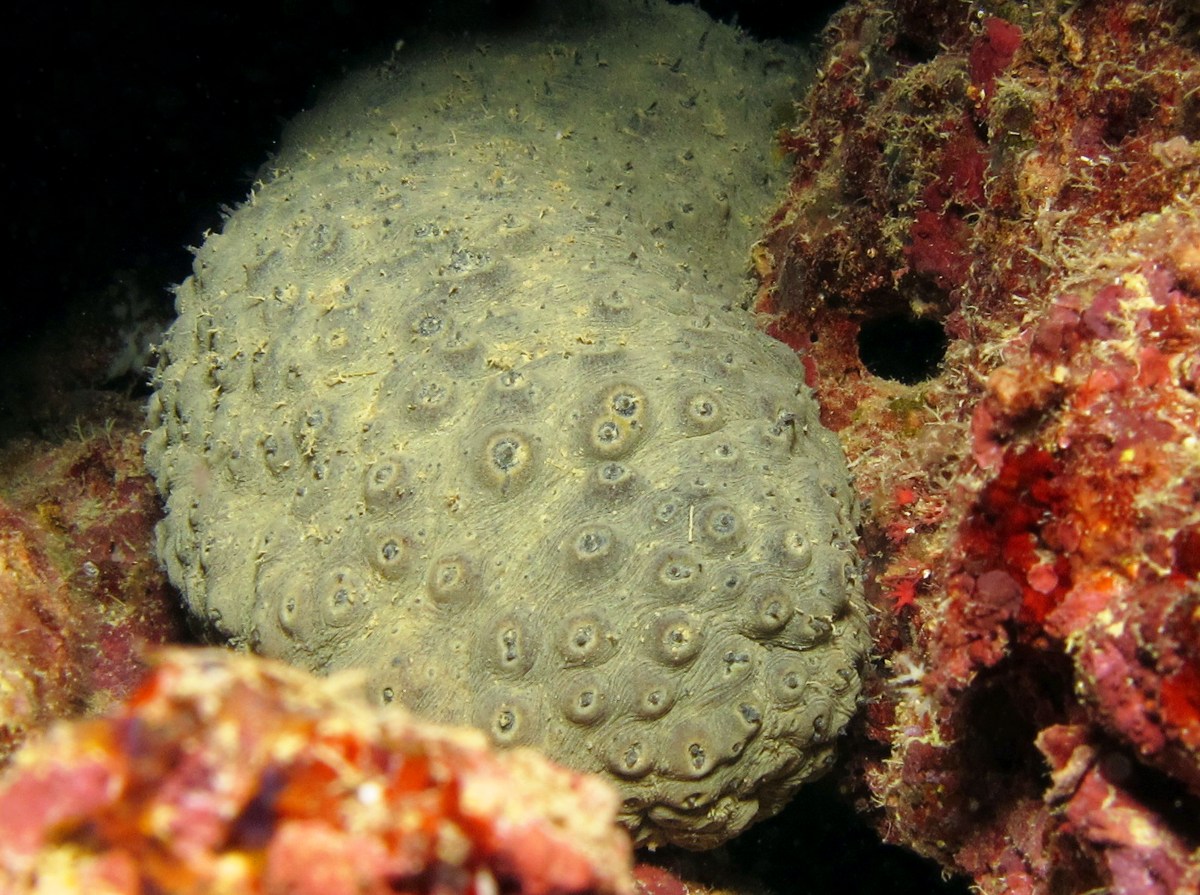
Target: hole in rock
(1024, 693)
(902, 348)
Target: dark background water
(130, 123)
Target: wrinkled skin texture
(464, 396)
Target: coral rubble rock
(464, 395)
(1027, 179)
(38, 635)
(230, 773)
(80, 592)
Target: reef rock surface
(465, 395)
(1023, 183)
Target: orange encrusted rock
(229, 773)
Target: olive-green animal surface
(464, 395)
